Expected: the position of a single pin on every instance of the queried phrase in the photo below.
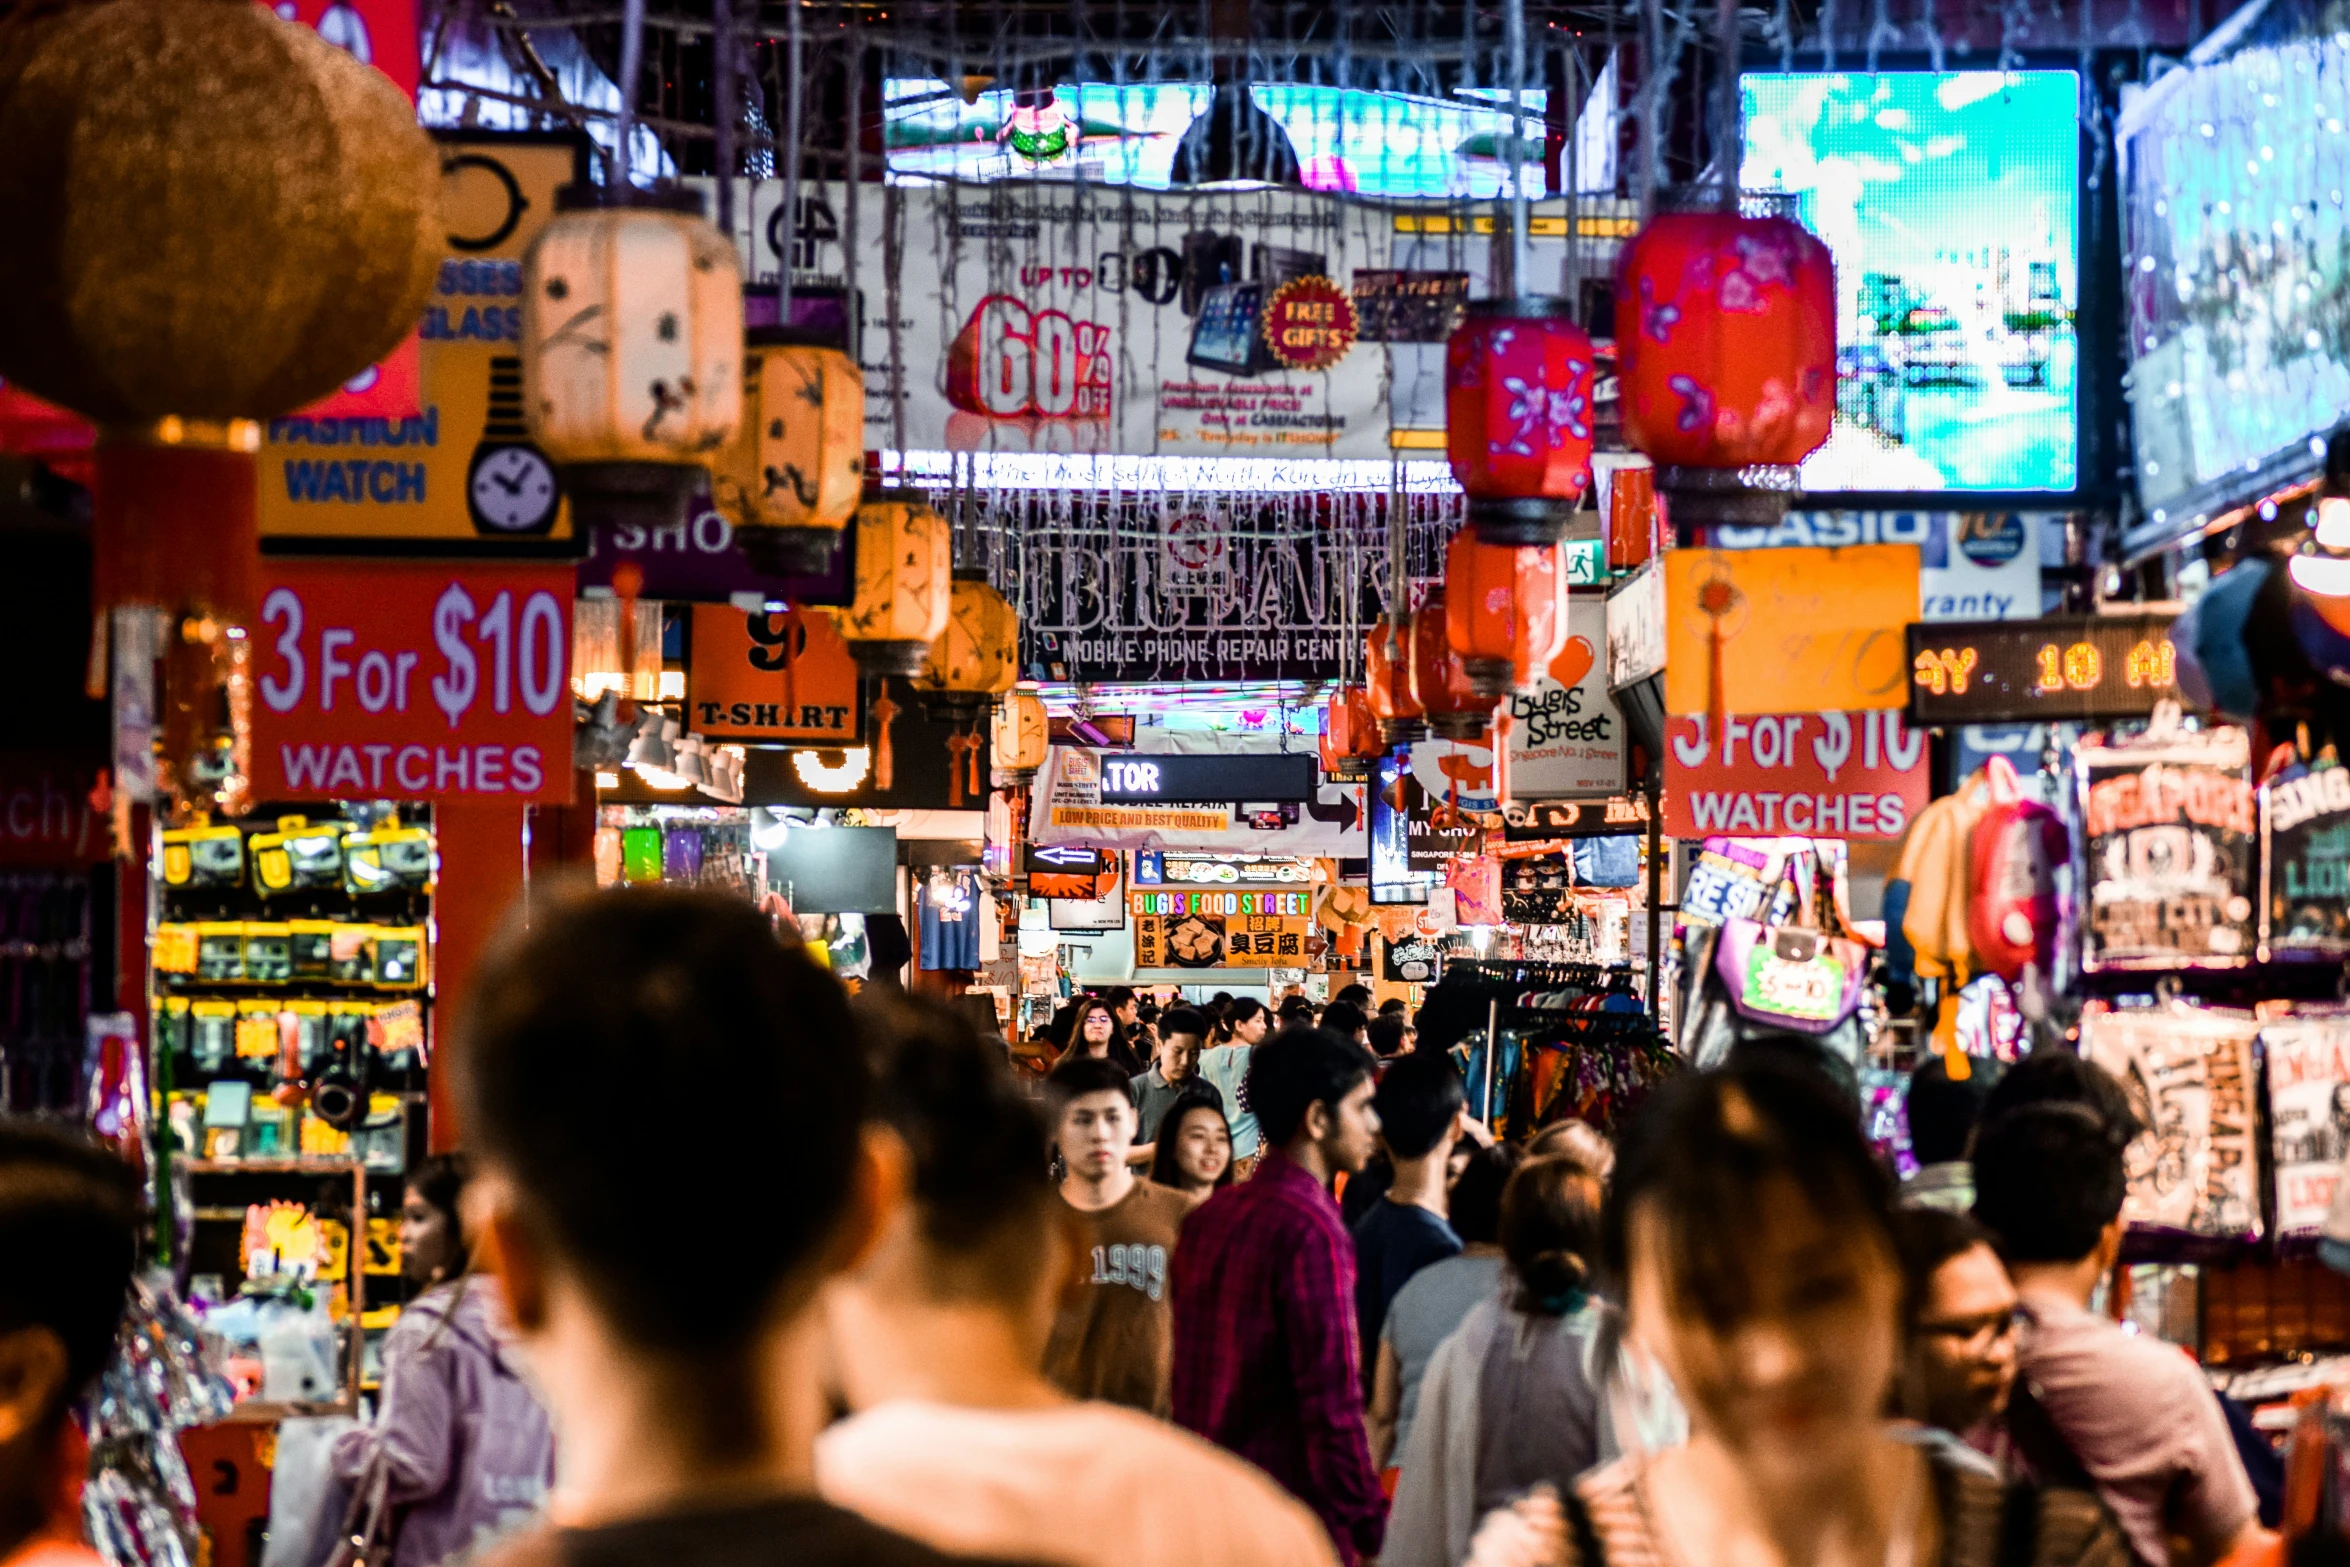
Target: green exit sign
(1586, 563)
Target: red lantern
(1726, 358)
(1350, 734)
(1504, 612)
(1388, 675)
(1632, 517)
(1440, 680)
(1517, 417)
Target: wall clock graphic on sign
(511, 489)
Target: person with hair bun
(1514, 1398)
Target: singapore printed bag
(1775, 981)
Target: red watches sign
(411, 681)
(1808, 775)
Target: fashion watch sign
(381, 680)
(1815, 775)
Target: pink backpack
(2012, 857)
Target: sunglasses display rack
(290, 990)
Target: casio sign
(1130, 777)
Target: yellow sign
(1162, 818)
(461, 473)
(1789, 630)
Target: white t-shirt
(1082, 1485)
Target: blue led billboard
(1951, 201)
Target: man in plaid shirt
(1266, 1356)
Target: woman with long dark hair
(1093, 1031)
(1752, 1231)
(1194, 1153)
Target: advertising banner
(698, 562)
(458, 474)
(1790, 630)
(1972, 565)
(1220, 928)
(400, 681)
(1812, 775)
(1566, 736)
(762, 678)
(1068, 808)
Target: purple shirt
(469, 1449)
(1266, 1362)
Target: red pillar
(481, 879)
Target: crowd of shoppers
(1120, 1317)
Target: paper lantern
(1456, 710)
(1726, 359)
(903, 588)
(1388, 681)
(1505, 612)
(632, 349)
(214, 213)
(977, 657)
(790, 480)
(1633, 517)
(1020, 735)
(1350, 734)
(1518, 417)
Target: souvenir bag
(2012, 855)
(1766, 982)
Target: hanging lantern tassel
(971, 762)
(883, 712)
(628, 580)
(1715, 600)
(1502, 723)
(959, 749)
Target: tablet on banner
(1814, 775)
(383, 680)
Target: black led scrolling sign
(2032, 671)
(1135, 778)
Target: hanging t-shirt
(948, 903)
(2189, 1074)
(1115, 1336)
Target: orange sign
(1789, 630)
(762, 677)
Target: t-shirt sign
(411, 681)
(761, 677)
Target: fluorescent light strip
(1052, 471)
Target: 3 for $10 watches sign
(390, 680)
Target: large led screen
(2236, 250)
(1951, 203)
(1385, 144)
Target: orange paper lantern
(1350, 734)
(1505, 612)
(1388, 685)
(1455, 708)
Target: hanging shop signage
(2308, 1116)
(2305, 865)
(697, 562)
(1972, 565)
(2189, 1075)
(1220, 927)
(45, 813)
(1636, 627)
(1090, 904)
(2171, 827)
(1413, 960)
(1823, 775)
(1068, 808)
(459, 475)
(1566, 736)
(1531, 821)
(763, 677)
(2040, 671)
(1135, 778)
(932, 767)
(1788, 630)
(412, 681)
(1158, 868)
(1078, 875)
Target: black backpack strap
(2019, 1524)
(1581, 1532)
